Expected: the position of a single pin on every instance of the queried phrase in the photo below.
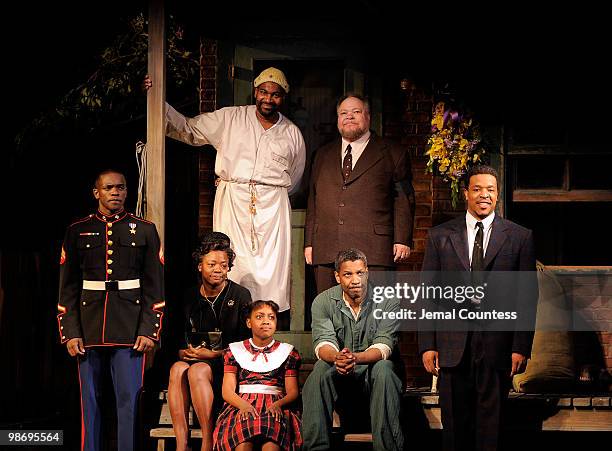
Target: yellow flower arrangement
(453, 146)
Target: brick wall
(590, 296)
(605, 338)
(208, 102)
(407, 119)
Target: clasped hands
(345, 362)
(197, 353)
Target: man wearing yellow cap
(260, 160)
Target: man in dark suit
(111, 301)
(475, 366)
(360, 195)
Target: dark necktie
(477, 264)
(347, 164)
(478, 251)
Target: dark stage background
(511, 64)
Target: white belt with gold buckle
(101, 285)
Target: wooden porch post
(156, 150)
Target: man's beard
(266, 114)
(352, 134)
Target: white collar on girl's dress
(254, 346)
(264, 361)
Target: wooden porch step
(566, 412)
(358, 438)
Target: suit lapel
(371, 154)
(328, 160)
(498, 237)
(337, 158)
(458, 238)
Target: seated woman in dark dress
(216, 305)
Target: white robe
(273, 160)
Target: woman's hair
(214, 241)
(256, 305)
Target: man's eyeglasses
(120, 187)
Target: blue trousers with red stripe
(126, 367)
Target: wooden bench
(535, 412)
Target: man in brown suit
(361, 195)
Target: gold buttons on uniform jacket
(109, 252)
(154, 334)
(110, 232)
(109, 224)
(158, 315)
(109, 271)
(137, 301)
(84, 303)
(133, 244)
(156, 325)
(109, 261)
(110, 243)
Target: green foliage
(112, 93)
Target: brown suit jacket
(371, 212)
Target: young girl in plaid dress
(260, 380)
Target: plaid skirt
(229, 432)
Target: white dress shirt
(487, 223)
(357, 148)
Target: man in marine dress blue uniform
(110, 305)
